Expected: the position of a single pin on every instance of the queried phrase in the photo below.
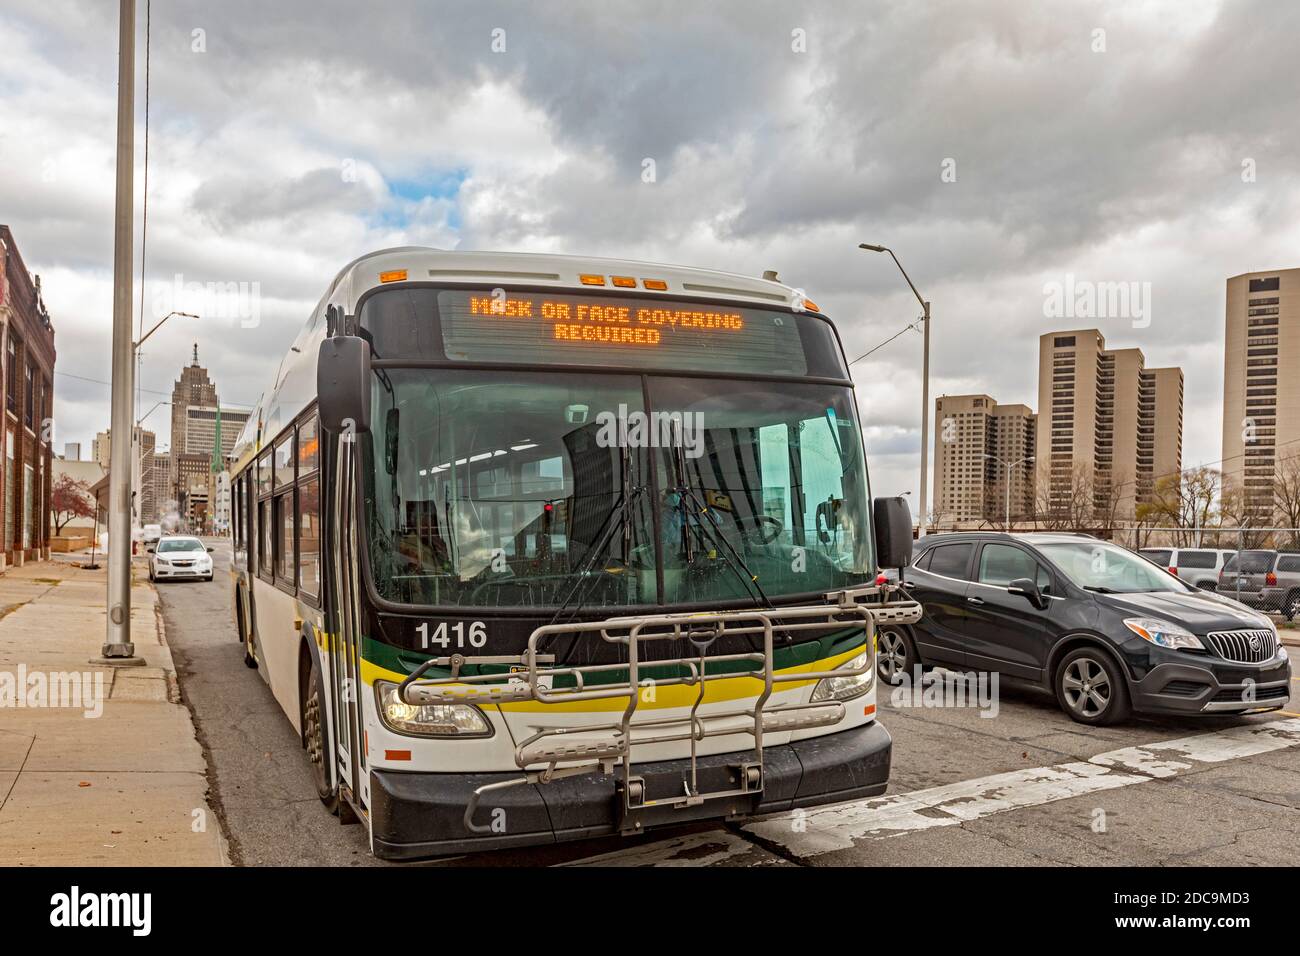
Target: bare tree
(1286, 500)
(1238, 513)
(1067, 504)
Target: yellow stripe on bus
(673, 695)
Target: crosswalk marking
(814, 832)
(837, 827)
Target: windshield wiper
(1100, 590)
(734, 561)
(616, 519)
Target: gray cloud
(1117, 165)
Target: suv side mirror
(152, 550)
(210, 550)
(892, 519)
(1028, 590)
(343, 384)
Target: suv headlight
(1163, 633)
(846, 688)
(428, 720)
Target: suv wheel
(1091, 689)
(895, 655)
(1291, 608)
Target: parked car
(1267, 580)
(1095, 623)
(1199, 567)
(177, 557)
(151, 533)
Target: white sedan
(177, 557)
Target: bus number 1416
(476, 634)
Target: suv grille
(1264, 693)
(1245, 647)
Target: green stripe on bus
(404, 660)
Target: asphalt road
(1026, 786)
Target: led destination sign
(615, 330)
(601, 321)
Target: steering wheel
(755, 524)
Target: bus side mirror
(893, 527)
(343, 384)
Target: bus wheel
(315, 737)
(244, 634)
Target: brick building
(27, 383)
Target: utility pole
(118, 648)
(926, 412)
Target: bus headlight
(429, 720)
(846, 688)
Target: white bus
(533, 548)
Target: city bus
(532, 548)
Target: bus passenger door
(344, 660)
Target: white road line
(1231, 744)
(814, 832)
(695, 849)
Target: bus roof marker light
(588, 279)
(623, 282)
(393, 275)
(659, 285)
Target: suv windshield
(1106, 568)
(534, 489)
(179, 544)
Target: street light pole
(137, 437)
(118, 648)
(925, 385)
(1009, 466)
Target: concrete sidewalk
(103, 769)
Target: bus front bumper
(415, 815)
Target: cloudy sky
(997, 147)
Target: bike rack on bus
(597, 748)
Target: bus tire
(315, 735)
(244, 633)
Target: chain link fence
(1260, 567)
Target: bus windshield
(550, 490)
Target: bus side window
(307, 527)
(264, 543)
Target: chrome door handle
(974, 600)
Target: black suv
(1101, 626)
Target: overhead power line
(914, 327)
